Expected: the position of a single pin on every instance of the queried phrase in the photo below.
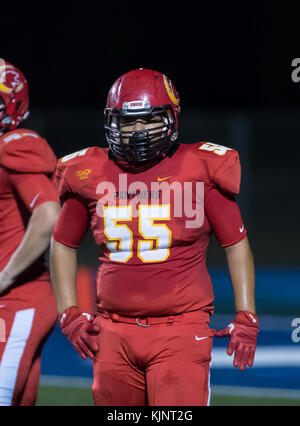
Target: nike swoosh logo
(242, 228)
(252, 317)
(86, 315)
(200, 338)
(63, 317)
(231, 327)
(161, 179)
(34, 200)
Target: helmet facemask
(9, 117)
(139, 147)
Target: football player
(29, 208)
(152, 204)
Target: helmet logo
(9, 80)
(169, 88)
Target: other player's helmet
(142, 92)
(14, 97)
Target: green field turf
(59, 396)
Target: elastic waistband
(192, 317)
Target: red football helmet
(14, 98)
(142, 92)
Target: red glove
(80, 330)
(243, 333)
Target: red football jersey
(27, 165)
(152, 227)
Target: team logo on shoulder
(212, 147)
(83, 174)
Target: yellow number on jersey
(120, 237)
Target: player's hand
(243, 335)
(81, 331)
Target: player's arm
(63, 268)
(34, 243)
(41, 199)
(241, 269)
(232, 236)
(225, 218)
(69, 231)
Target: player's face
(128, 125)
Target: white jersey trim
(13, 353)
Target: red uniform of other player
(28, 211)
(152, 205)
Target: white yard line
(256, 392)
(265, 356)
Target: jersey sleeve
(72, 224)
(24, 151)
(225, 218)
(66, 186)
(221, 165)
(64, 189)
(33, 189)
(228, 175)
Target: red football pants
(165, 364)
(24, 327)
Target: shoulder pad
(24, 151)
(82, 160)
(82, 156)
(222, 164)
(67, 161)
(78, 158)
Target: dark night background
(220, 55)
(230, 62)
